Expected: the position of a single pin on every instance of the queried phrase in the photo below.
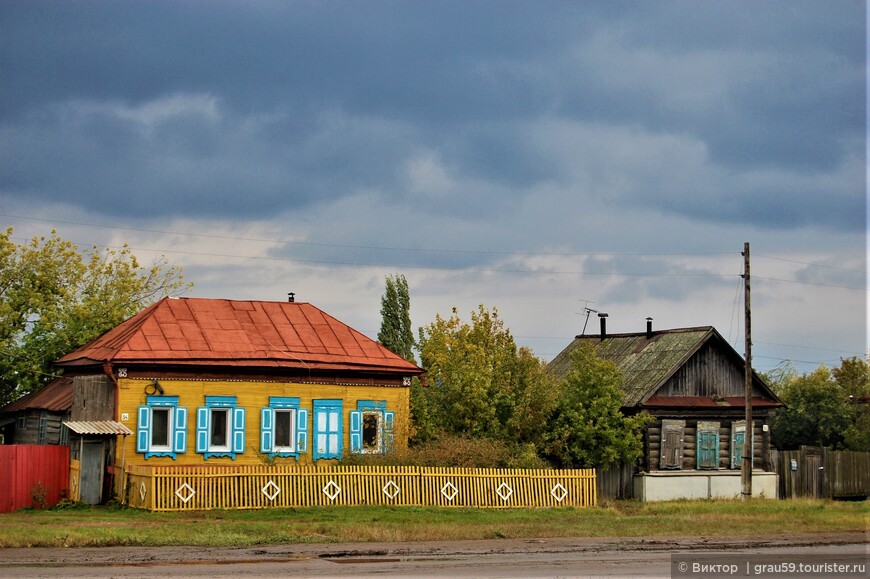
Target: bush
(448, 450)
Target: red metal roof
(219, 332)
(707, 402)
(56, 396)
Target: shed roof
(648, 361)
(220, 332)
(56, 396)
(98, 427)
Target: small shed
(37, 418)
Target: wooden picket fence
(192, 488)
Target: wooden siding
(184, 488)
(40, 427)
(653, 445)
(253, 396)
(708, 373)
(93, 398)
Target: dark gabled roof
(254, 334)
(56, 396)
(647, 362)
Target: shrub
(457, 451)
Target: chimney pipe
(291, 297)
(649, 328)
(603, 318)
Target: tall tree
(480, 384)
(396, 333)
(55, 298)
(588, 429)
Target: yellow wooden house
(224, 382)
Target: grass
(104, 526)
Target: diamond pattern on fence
(289, 486)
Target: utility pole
(746, 464)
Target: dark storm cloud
(250, 109)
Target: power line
(812, 264)
(368, 247)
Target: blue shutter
(143, 432)
(302, 430)
(355, 431)
(389, 423)
(180, 431)
(266, 415)
(238, 430)
(707, 450)
(737, 449)
(202, 429)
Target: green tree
(396, 333)
(480, 384)
(853, 376)
(588, 429)
(55, 298)
(816, 411)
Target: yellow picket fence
(191, 488)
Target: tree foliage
(853, 376)
(588, 429)
(396, 333)
(824, 408)
(55, 298)
(480, 384)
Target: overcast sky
(539, 157)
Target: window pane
(159, 427)
(284, 432)
(333, 444)
(333, 421)
(370, 429)
(219, 427)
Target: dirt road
(494, 558)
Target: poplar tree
(396, 333)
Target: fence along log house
(691, 381)
(225, 383)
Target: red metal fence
(32, 475)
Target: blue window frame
(327, 429)
(371, 427)
(220, 427)
(162, 427)
(284, 428)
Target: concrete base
(699, 484)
